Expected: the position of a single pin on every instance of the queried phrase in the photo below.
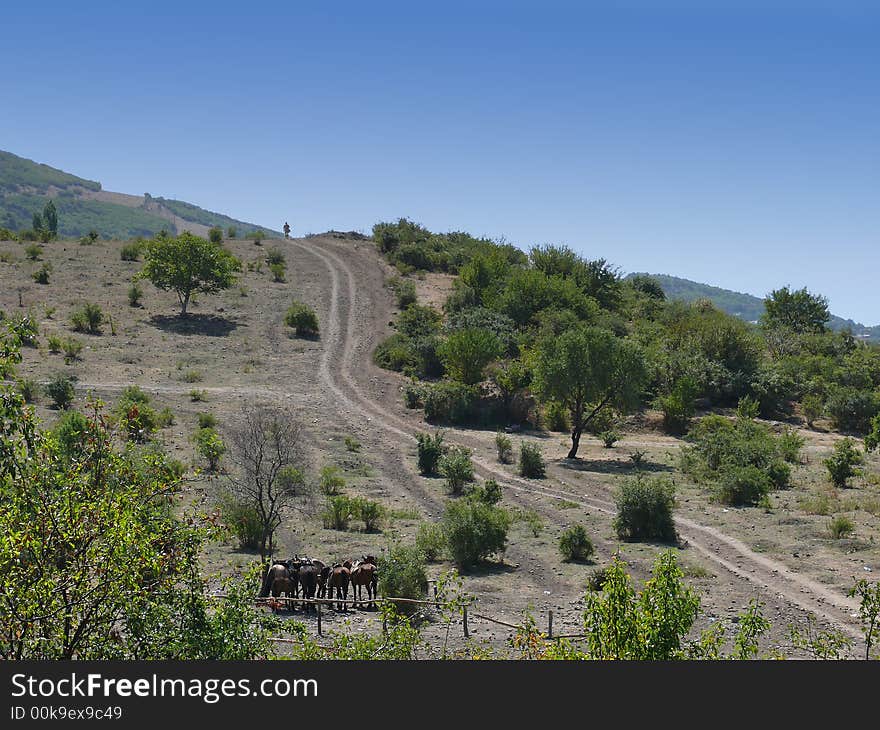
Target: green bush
(55, 344)
(207, 420)
(575, 545)
(396, 353)
(72, 433)
(609, 438)
(489, 492)
(678, 405)
(135, 293)
(843, 462)
(531, 461)
(215, 234)
(136, 416)
(72, 349)
(372, 513)
(402, 574)
(458, 468)
(431, 541)
(131, 251)
(790, 445)
(302, 318)
(556, 417)
(430, 449)
(852, 409)
(88, 318)
(210, 447)
(231, 232)
(28, 389)
(840, 527)
(744, 485)
(331, 481)
(337, 512)
(242, 519)
(404, 290)
(450, 402)
(474, 530)
(290, 479)
(504, 447)
(33, 251)
(275, 256)
(644, 509)
(165, 418)
(466, 353)
(278, 271)
(60, 390)
(41, 275)
(813, 407)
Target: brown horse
(308, 580)
(364, 574)
(277, 581)
(339, 576)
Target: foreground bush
(402, 574)
(531, 461)
(60, 390)
(474, 530)
(302, 318)
(644, 509)
(575, 545)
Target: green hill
(83, 205)
(744, 306)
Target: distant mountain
(744, 306)
(83, 205)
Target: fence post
(464, 617)
(319, 620)
(550, 625)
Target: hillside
(744, 306)
(83, 205)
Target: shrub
(457, 467)
(278, 271)
(637, 457)
(210, 447)
(852, 409)
(372, 513)
(678, 405)
(872, 440)
(89, 238)
(215, 234)
(337, 512)
(352, 444)
(72, 349)
(842, 463)
(231, 232)
(258, 238)
(412, 396)
(575, 545)
(430, 449)
(41, 275)
(812, 407)
(72, 432)
(609, 438)
(274, 256)
(644, 509)
(28, 389)
(135, 293)
(395, 353)
(88, 318)
(26, 329)
(243, 520)
(290, 479)
(449, 402)
(60, 390)
(790, 445)
(531, 461)
(474, 530)
(402, 575)
(596, 579)
(431, 541)
(33, 251)
(192, 376)
(504, 447)
(207, 420)
(489, 492)
(747, 408)
(302, 318)
(198, 396)
(131, 251)
(55, 344)
(135, 394)
(840, 527)
(744, 485)
(136, 417)
(165, 418)
(404, 290)
(466, 353)
(331, 481)
(556, 416)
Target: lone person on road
(286, 230)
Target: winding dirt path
(350, 335)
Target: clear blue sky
(737, 146)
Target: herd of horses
(316, 579)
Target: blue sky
(736, 145)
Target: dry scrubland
(235, 348)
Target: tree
(186, 264)
(466, 353)
(589, 371)
(37, 223)
(264, 445)
(50, 218)
(798, 311)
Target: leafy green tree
(466, 353)
(37, 223)
(50, 218)
(589, 371)
(186, 264)
(798, 311)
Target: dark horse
(277, 581)
(365, 574)
(339, 577)
(308, 580)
